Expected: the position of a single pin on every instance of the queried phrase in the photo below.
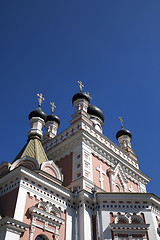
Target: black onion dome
(123, 132)
(93, 110)
(38, 113)
(53, 117)
(80, 95)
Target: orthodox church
(76, 185)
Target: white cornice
(33, 176)
(13, 223)
(82, 124)
(100, 150)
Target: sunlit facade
(76, 185)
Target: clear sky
(112, 46)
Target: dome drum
(81, 105)
(124, 137)
(36, 124)
(95, 111)
(51, 126)
(96, 116)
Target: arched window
(41, 237)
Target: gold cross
(89, 95)
(121, 120)
(40, 99)
(80, 85)
(53, 106)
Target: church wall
(85, 222)
(8, 202)
(63, 226)
(20, 204)
(150, 218)
(66, 165)
(105, 220)
(30, 202)
(96, 174)
(25, 235)
(70, 224)
(38, 231)
(27, 219)
(88, 224)
(81, 221)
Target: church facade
(76, 185)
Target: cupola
(52, 123)
(96, 116)
(81, 100)
(124, 138)
(37, 119)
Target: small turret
(37, 119)
(52, 123)
(124, 138)
(81, 100)
(96, 116)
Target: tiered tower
(93, 161)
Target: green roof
(34, 149)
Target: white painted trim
(20, 204)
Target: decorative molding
(27, 161)
(48, 215)
(49, 207)
(94, 133)
(53, 167)
(14, 224)
(117, 172)
(101, 172)
(101, 147)
(9, 186)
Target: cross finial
(80, 85)
(121, 120)
(88, 95)
(40, 98)
(53, 106)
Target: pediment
(51, 168)
(28, 162)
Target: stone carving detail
(117, 172)
(46, 217)
(48, 207)
(127, 218)
(128, 225)
(101, 172)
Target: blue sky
(112, 46)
